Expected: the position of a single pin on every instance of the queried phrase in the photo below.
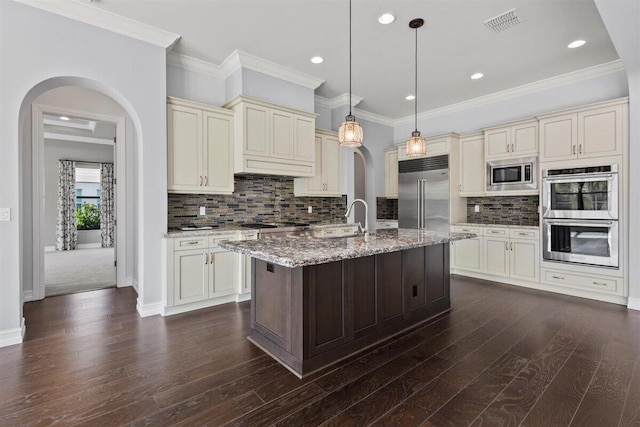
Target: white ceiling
(79, 127)
(453, 44)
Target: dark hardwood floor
(503, 356)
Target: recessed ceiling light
(65, 118)
(410, 97)
(386, 18)
(317, 60)
(576, 43)
(477, 76)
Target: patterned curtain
(107, 203)
(66, 232)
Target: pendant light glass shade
(350, 133)
(416, 145)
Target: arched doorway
(32, 168)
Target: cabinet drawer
(592, 283)
(468, 229)
(500, 232)
(187, 243)
(517, 233)
(232, 235)
(251, 235)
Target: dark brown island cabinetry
(312, 316)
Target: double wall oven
(580, 215)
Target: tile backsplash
(508, 210)
(256, 198)
(386, 208)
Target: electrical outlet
(476, 208)
(203, 210)
(310, 209)
(5, 214)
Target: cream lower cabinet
(200, 148)
(191, 276)
(327, 181)
(512, 253)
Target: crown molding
(373, 117)
(338, 101)
(101, 18)
(529, 88)
(193, 64)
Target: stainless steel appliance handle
(419, 199)
(422, 185)
(578, 223)
(579, 178)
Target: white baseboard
(177, 309)
(49, 248)
(243, 297)
(134, 283)
(89, 246)
(12, 336)
(128, 282)
(146, 310)
(633, 303)
(28, 296)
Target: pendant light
(350, 133)
(416, 145)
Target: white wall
(69, 150)
(323, 121)
(40, 51)
(277, 91)
(197, 87)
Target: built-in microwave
(512, 174)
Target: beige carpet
(77, 271)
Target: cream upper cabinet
(200, 148)
(327, 181)
(436, 145)
(272, 140)
(594, 131)
(472, 166)
(511, 140)
(391, 173)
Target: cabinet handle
(211, 258)
(599, 283)
(206, 258)
(574, 149)
(460, 187)
(558, 277)
(507, 148)
(513, 148)
(193, 242)
(200, 180)
(206, 180)
(506, 246)
(511, 246)
(580, 149)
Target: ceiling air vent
(503, 21)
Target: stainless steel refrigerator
(423, 193)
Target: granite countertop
(472, 224)
(301, 251)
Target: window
(87, 198)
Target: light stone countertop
(475, 224)
(172, 234)
(302, 251)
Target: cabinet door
(496, 256)
(332, 166)
(391, 171)
(524, 139)
(559, 137)
(497, 143)
(191, 276)
(282, 124)
(256, 130)
(600, 132)
(467, 254)
(304, 139)
(525, 260)
(391, 306)
(184, 126)
(225, 273)
(361, 273)
(218, 153)
(472, 166)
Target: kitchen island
(318, 300)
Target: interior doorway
(359, 182)
(78, 158)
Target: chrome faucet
(364, 230)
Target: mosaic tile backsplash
(256, 199)
(508, 210)
(386, 208)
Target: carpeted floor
(80, 270)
